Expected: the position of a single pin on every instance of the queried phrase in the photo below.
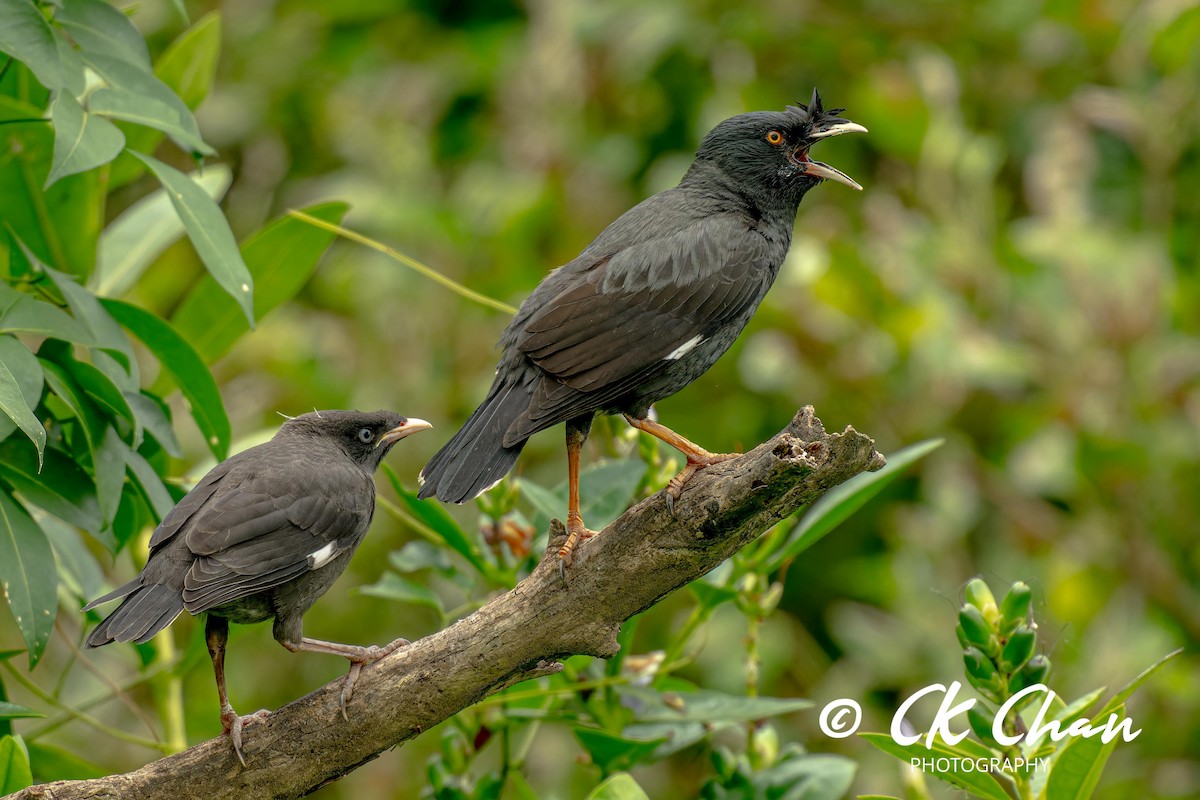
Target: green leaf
(77, 567)
(807, 777)
(126, 105)
(836, 505)
(14, 711)
(162, 110)
(14, 762)
(100, 388)
(186, 368)
(27, 575)
(391, 586)
(439, 523)
(606, 490)
(610, 752)
(27, 36)
(710, 595)
(148, 481)
(981, 784)
(209, 231)
(189, 65)
(1078, 765)
(60, 486)
(620, 786)
(420, 554)
(91, 315)
(20, 390)
(152, 413)
(1117, 701)
(20, 313)
(281, 258)
(59, 224)
(706, 706)
(135, 239)
(100, 29)
(82, 140)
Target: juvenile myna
(263, 535)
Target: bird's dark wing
(629, 316)
(266, 527)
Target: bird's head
(366, 436)
(768, 150)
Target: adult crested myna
(647, 307)
(263, 535)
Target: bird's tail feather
(476, 458)
(144, 612)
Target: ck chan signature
(841, 718)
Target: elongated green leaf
(135, 239)
(707, 706)
(57, 485)
(281, 258)
(396, 587)
(100, 388)
(126, 105)
(610, 752)
(28, 576)
(189, 65)
(82, 140)
(148, 481)
(836, 505)
(152, 414)
(14, 711)
(186, 368)
(14, 765)
(100, 29)
(23, 314)
(21, 383)
(605, 489)
(1118, 700)
(209, 231)
(26, 36)
(1078, 765)
(438, 521)
(981, 784)
(88, 312)
(168, 113)
(77, 567)
(806, 777)
(620, 786)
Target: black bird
(264, 534)
(647, 307)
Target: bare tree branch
(647, 553)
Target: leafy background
(1019, 277)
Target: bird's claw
(370, 654)
(231, 725)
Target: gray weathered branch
(647, 553)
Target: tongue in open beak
(818, 170)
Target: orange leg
(576, 531)
(697, 457)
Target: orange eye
(775, 137)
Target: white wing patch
(683, 349)
(321, 557)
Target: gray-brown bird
(262, 536)
(647, 307)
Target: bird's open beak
(818, 170)
(407, 428)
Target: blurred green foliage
(1018, 277)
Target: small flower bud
(1036, 670)
(1014, 609)
(1019, 648)
(979, 595)
(981, 726)
(977, 630)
